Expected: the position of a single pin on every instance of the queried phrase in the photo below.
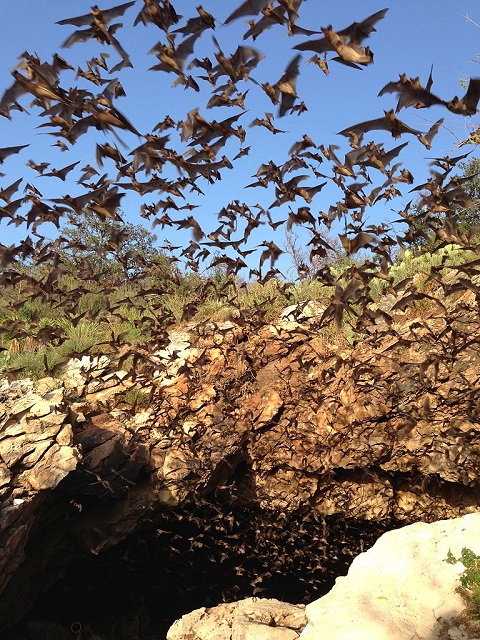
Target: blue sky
(412, 36)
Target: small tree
(466, 218)
(116, 251)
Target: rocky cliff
(273, 451)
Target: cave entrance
(193, 557)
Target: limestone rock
(250, 619)
(79, 370)
(272, 418)
(401, 588)
(36, 441)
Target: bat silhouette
(248, 8)
(8, 151)
(286, 86)
(163, 16)
(411, 93)
(100, 16)
(388, 123)
(347, 42)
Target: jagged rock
(79, 370)
(301, 314)
(401, 588)
(250, 619)
(36, 439)
(36, 453)
(274, 419)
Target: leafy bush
(469, 581)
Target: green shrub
(469, 587)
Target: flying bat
(426, 139)
(103, 16)
(388, 123)
(163, 16)
(286, 86)
(97, 22)
(347, 42)
(466, 106)
(411, 93)
(8, 151)
(61, 173)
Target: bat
(102, 16)
(8, 151)
(347, 42)
(388, 123)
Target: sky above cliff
(411, 38)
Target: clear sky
(413, 35)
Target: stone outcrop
(401, 588)
(36, 453)
(278, 419)
(250, 619)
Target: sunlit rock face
(401, 588)
(250, 619)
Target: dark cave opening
(196, 556)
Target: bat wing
(428, 86)
(393, 87)
(81, 35)
(79, 21)
(393, 153)
(363, 127)
(248, 8)
(347, 63)
(418, 98)
(107, 15)
(10, 95)
(115, 12)
(472, 96)
(358, 31)
(319, 46)
(8, 151)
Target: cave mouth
(196, 556)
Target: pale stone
(249, 619)
(37, 450)
(5, 475)
(41, 408)
(178, 464)
(248, 630)
(203, 395)
(23, 404)
(48, 384)
(284, 488)
(65, 436)
(366, 500)
(400, 588)
(57, 462)
(303, 311)
(272, 403)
